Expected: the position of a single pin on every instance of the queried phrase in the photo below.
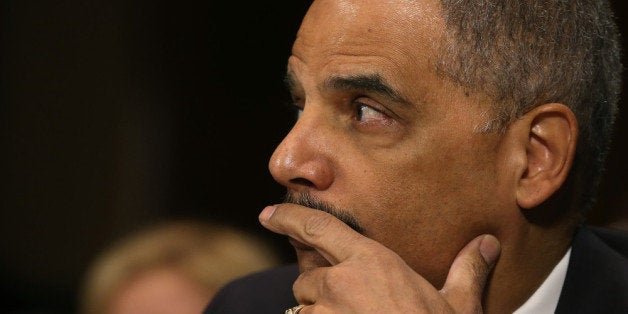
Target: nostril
(302, 181)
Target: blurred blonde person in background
(172, 267)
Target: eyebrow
(373, 83)
(368, 83)
(290, 82)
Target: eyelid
(363, 104)
(377, 106)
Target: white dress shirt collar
(545, 298)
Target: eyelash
(357, 106)
(375, 115)
(293, 107)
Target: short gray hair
(524, 53)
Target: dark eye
(295, 106)
(367, 113)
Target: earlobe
(550, 149)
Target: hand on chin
(307, 256)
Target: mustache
(305, 199)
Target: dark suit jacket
(596, 281)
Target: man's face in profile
(383, 139)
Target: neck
(529, 253)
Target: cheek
(428, 184)
(429, 204)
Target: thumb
(468, 274)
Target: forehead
(393, 38)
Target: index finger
(332, 238)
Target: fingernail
(490, 249)
(267, 213)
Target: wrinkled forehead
(389, 9)
(396, 40)
(405, 26)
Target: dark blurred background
(115, 114)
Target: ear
(550, 145)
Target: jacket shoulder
(268, 291)
(616, 239)
(597, 276)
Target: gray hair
(524, 53)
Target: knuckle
(297, 283)
(303, 284)
(316, 225)
(301, 280)
(371, 251)
(337, 280)
(381, 258)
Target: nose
(303, 159)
